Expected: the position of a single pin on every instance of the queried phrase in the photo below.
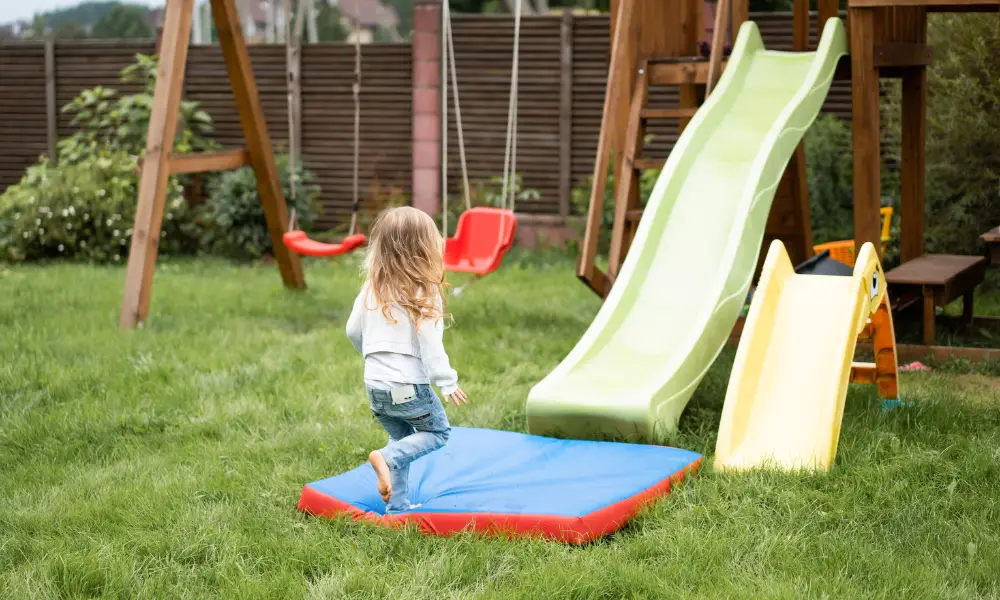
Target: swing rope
(297, 241)
(510, 150)
(510, 153)
(289, 54)
(356, 90)
(458, 110)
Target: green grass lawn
(167, 463)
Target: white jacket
(396, 353)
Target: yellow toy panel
(843, 250)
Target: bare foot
(382, 471)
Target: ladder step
(633, 216)
(644, 164)
(668, 113)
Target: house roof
(368, 12)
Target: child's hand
(458, 397)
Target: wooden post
(159, 144)
(718, 40)
(911, 214)
(624, 51)
(914, 107)
(800, 26)
(566, 112)
(258, 142)
(825, 10)
(689, 95)
(865, 129)
(51, 132)
(741, 14)
(626, 187)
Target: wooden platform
(992, 240)
(939, 279)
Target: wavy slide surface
(684, 281)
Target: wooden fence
(563, 74)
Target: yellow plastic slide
(789, 380)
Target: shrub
(830, 173)
(105, 119)
(238, 228)
(84, 211)
(963, 131)
(830, 178)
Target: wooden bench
(939, 279)
(992, 240)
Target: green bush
(830, 175)
(963, 131)
(238, 228)
(84, 211)
(105, 119)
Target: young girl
(398, 326)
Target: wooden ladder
(680, 71)
(663, 71)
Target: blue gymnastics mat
(499, 481)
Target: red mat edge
(573, 530)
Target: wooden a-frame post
(159, 162)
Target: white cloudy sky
(13, 10)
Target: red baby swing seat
(297, 241)
(482, 237)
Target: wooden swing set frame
(160, 162)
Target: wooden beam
(614, 119)
(913, 167)
(741, 14)
(153, 183)
(627, 188)
(241, 80)
(865, 129)
(648, 164)
(800, 26)
(944, 353)
(668, 113)
(902, 54)
(685, 43)
(718, 41)
(800, 247)
(826, 10)
(680, 73)
(203, 162)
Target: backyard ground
(167, 463)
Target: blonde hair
(404, 265)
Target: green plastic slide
(683, 284)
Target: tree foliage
(963, 131)
(124, 21)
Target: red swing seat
(298, 242)
(482, 237)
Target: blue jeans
(417, 425)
